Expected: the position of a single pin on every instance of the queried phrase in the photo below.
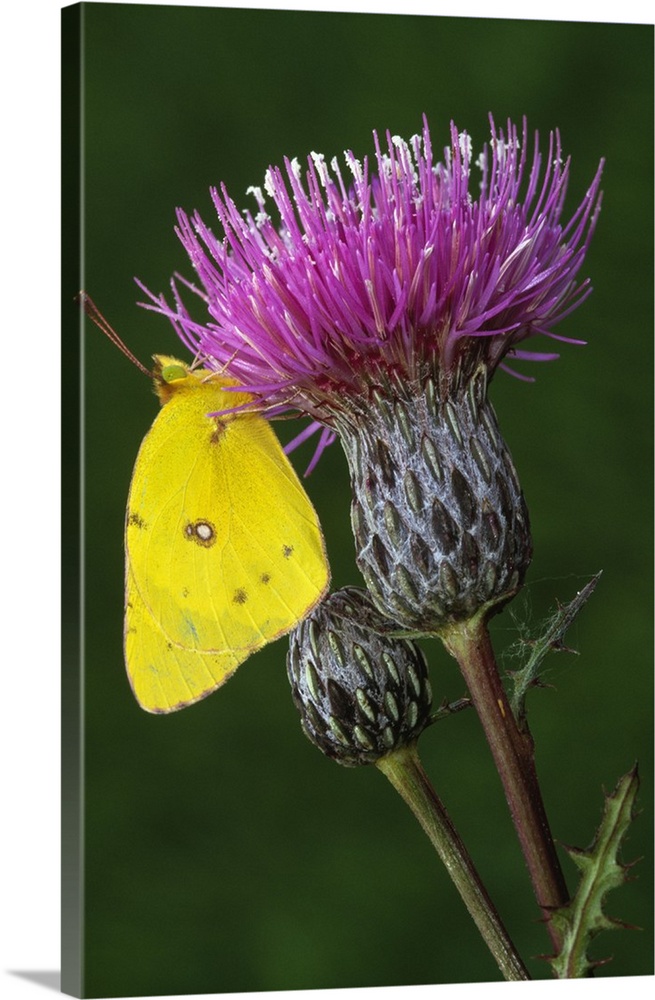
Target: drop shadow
(50, 980)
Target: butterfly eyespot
(201, 532)
(240, 596)
(287, 550)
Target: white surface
(29, 877)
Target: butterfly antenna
(92, 311)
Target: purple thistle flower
(380, 304)
(405, 272)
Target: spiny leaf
(551, 640)
(600, 870)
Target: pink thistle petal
(401, 267)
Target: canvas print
(357, 317)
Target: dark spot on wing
(136, 520)
(287, 550)
(265, 578)
(192, 628)
(240, 596)
(218, 432)
(201, 532)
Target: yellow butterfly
(223, 549)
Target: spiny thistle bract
(440, 523)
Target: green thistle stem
(513, 753)
(403, 769)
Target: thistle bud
(441, 526)
(360, 693)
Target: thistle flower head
(380, 300)
(402, 269)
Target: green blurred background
(222, 852)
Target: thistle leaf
(551, 640)
(600, 870)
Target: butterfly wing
(224, 551)
(166, 675)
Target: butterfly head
(170, 376)
(173, 377)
